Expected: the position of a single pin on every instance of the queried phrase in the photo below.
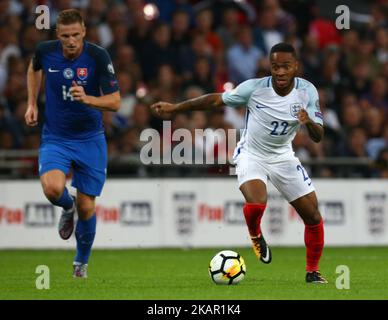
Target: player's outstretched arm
(315, 130)
(108, 102)
(205, 102)
(34, 79)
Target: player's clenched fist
(303, 116)
(162, 108)
(78, 93)
(31, 115)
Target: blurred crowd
(179, 49)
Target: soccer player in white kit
(276, 107)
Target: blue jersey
(66, 118)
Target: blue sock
(84, 233)
(65, 201)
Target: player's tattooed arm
(315, 130)
(34, 79)
(108, 102)
(205, 102)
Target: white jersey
(271, 120)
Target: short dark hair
(283, 47)
(69, 16)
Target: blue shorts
(88, 159)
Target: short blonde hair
(70, 16)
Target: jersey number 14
(66, 94)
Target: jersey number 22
(282, 130)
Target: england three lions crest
(295, 108)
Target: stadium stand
(172, 50)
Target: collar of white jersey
(296, 83)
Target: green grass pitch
(175, 274)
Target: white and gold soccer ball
(227, 267)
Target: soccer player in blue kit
(80, 83)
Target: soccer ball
(227, 267)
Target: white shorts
(287, 175)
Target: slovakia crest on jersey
(295, 108)
(82, 73)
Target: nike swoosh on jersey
(53, 70)
(262, 106)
